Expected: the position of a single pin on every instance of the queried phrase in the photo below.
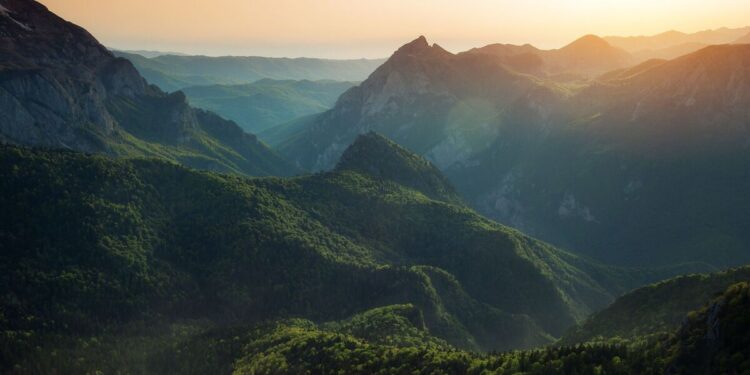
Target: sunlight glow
(359, 28)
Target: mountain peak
(588, 42)
(415, 46)
(377, 156)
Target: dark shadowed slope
(657, 308)
(640, 166)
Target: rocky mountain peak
(415, 46)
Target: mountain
(264, 104)
(589, 54)
(173, 72)
(60, 88)
(433, 102)
(622, 168)
(672, 44)
(714, 339)
(656, 308)
(105, 246)
(376, 156)
(585, 57)
(147, 53)
(643, 167)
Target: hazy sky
(365, 28)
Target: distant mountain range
(172, 73)
(147, 53)
(267, 103)
(584, 58)
(671, 44)
(60, 88)
(582, 164)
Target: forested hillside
(92, 245)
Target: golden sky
(368, 28)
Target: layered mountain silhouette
(672, 44)
(267, 103)
(588, 56)
(175, 72)
(534, 153)
(61, 89)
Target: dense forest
(132, 259)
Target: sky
(372, 29)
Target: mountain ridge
(512, 143)
(60, 88)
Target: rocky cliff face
(435, 103)
(56, 79)
(60, 88)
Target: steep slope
(105, 244)
(173, 72)
(431, 101)
(60, 88)
(622, 169)
(267, 103)
(657, 308)
(644, 167)
(715, 339)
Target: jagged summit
(377, 156)
(419, 46)
(415, 45)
